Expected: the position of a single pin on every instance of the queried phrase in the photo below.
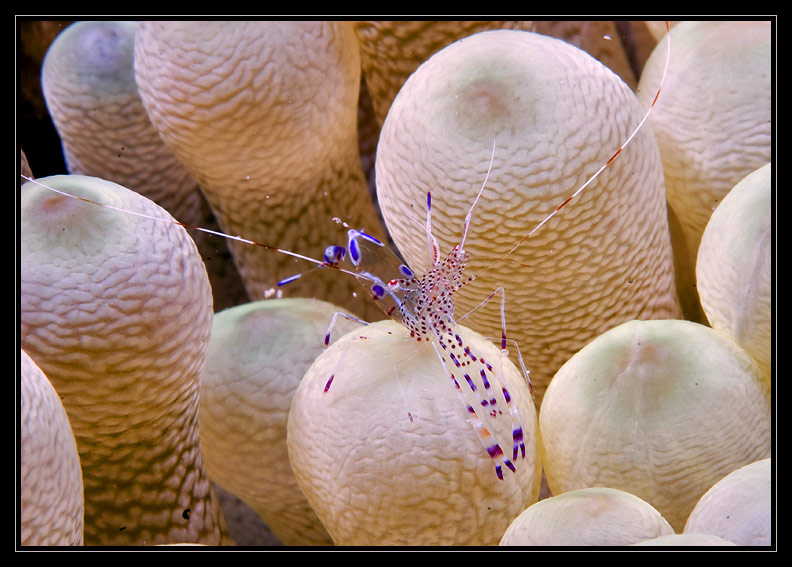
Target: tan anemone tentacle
(660, 409)
(734, 268)
(257, 356)
(264, 115)
(51, 498)
(739, 507)
(594, 516)
(713, 126)
(391, 50)
(555, 116)
(386, 454)
(88, 79)
(116, 309)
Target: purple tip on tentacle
(330, 381)
(499, 472)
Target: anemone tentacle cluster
(627, 326)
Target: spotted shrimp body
(425, 306)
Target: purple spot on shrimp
(334, 254)
(289, 280)
(495, 451)
(506, 395)
(470, 383)
(354, 252)
(330, 381)
(510, 465)
(370, 238)
(517, 435)
(378, 291)
(484, 378)
(405, 271)
(455, 360)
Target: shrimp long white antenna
(173, 221)
(602, 168)
(434, 247)
(469, 215)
